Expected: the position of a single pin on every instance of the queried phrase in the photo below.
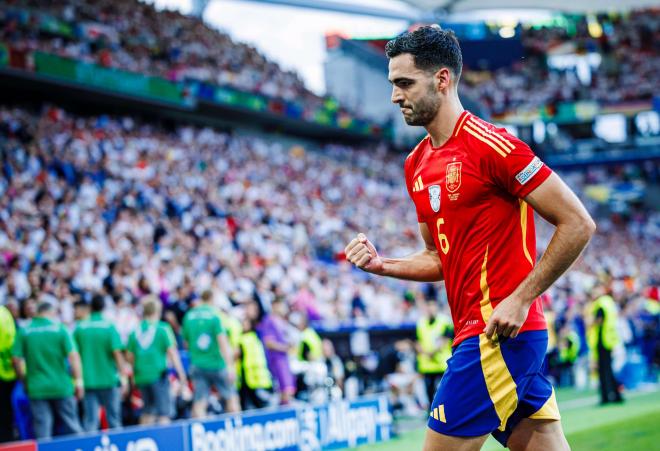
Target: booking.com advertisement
(337, 425)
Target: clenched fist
(363, 254)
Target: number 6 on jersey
(442, 238)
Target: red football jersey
(469, 192)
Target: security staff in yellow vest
(603, 337)
(310, 348)
(569, 348)
(434, 338)
(256, 381)
(7, 374)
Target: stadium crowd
(627, 71)
(128, 35)
(128, 223)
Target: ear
(443, 78)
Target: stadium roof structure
(432, 10)
(581, 6)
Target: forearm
(568, 241)
(120, 363)
(226, 351)
(276, 346)
(19, 366)
(76, 368)
(422, 266)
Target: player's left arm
(557, 204)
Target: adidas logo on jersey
(419, 185)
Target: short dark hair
(45, 307)
(207, 296)
(431, 48)
(98, 303)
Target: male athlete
(475, 188)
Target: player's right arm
(422, 266)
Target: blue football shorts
(490, 386)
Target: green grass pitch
(634, 425)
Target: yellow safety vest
(610, 334)
(7, 336)
(313, 342)
(254, 362)
(427, 336)
(568, 352)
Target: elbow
(586, 227)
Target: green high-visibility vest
(255, 366)
(610, 334)
(428, 335)
(314, 343)
(7, 336)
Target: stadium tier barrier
(110, 79)
(186, 94)
(336, 425)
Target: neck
(442, 125)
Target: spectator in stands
(256, 381)
(211, 357)
(148, 350)
(100, 350)
(310, 369)
(335, 369)
(7, 374)
(274, 332)
(40, 352)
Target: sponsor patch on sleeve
(528, 172)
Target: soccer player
(475, 188)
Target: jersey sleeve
(218, 326)
(131, 345)
(116, 343)
(512, 165)
(169, 336)
(67, 342)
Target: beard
(423, 112)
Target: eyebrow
(396, 80)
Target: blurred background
(230, 149)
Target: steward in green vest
(7, 374)
(100, 350)
(211, 356)
(603, 337)
(149, 347)
(256, 380)
(43, 353)
(434, 339)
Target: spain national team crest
(434, 197)
(453, 176)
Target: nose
(396, 95)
